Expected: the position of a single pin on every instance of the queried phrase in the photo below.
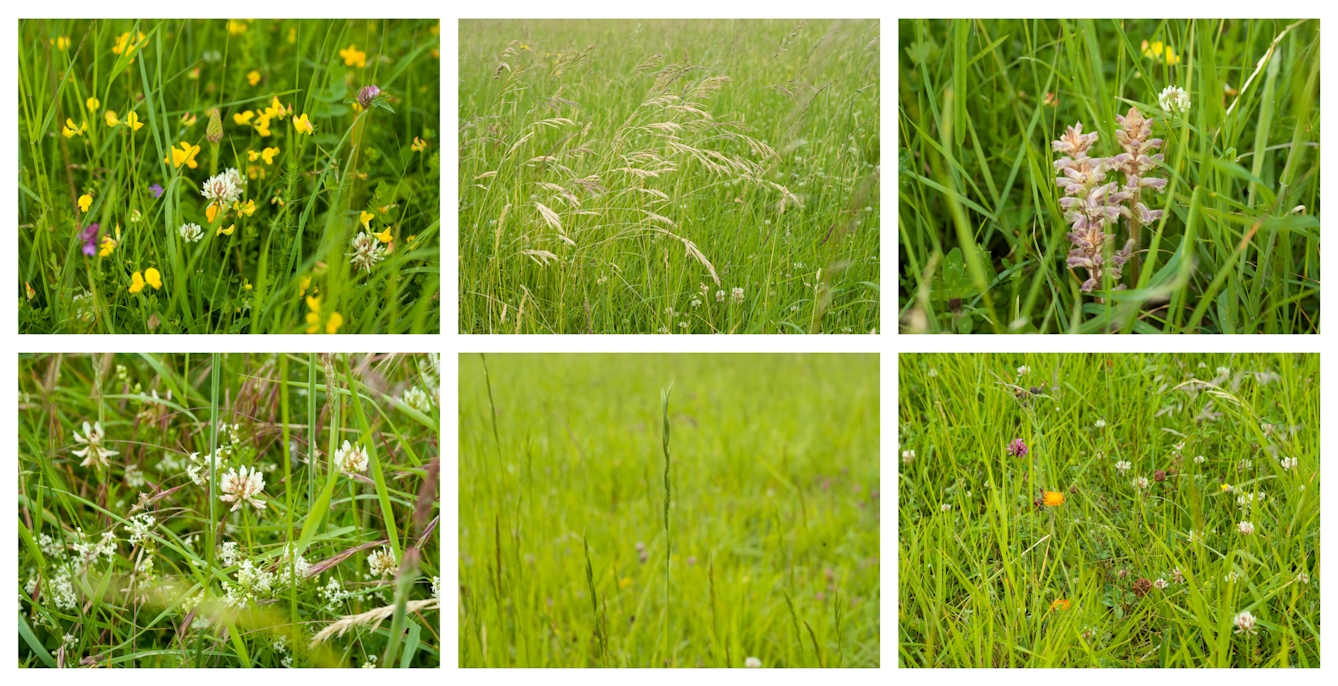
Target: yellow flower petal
(211, 212)
(335, 321)
(253, 77)
(302, 125)
(252, 155)
(84, 202)
(132, 121)
(153, 277)
(269, 154)
(93, 104)
(384, 235)
(366, 218)
(303, 284)
(226, 232)
(110, 116)
(136, 282)
(243, 118)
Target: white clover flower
(1303, 577)
(1141, 483)
(1287, 462)
(933, 373)
(1224, 371)
(720, 296)
(1160, 584)
(1176, 576)
(1231, 577)
(349, 459)
(1199, 459)
(382, 562)
(1245, 528)
(1023, 370)
(945, 507)
(1245, 623)
(191, 232)
(417, 399)
(1123, 465)
(907, 456)
(367, 251)
(223, 189)
(752, 663)
(736, 295)
(1245, 465)
(134, 478)
(1100, 424)
(93, 452)
(242, 486)
(1174, 99)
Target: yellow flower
(418, 145)
(303, 284)
(61, 43)
(132, 121)
(125, 45)
(1053, 499)
(108, 246)
(184, 155)
(292, 34)
(335, 321)
(276, 109)
(269, 154)
(29, 288)
(356, 108)
(1171, 57)
(136, 282)
(247, 208)
(301, 125)
(624, 582)
(1226, 488)
(211, 212)
(110, 116)
(84, 202)
(353, 57)
(252, 155)
(189, 119)
(243, 118)
(384, 235)
(226, 232)
(410, 238)
(366, 219)
(152, 276)
(236, 28)
(246, 284)
(253, 77)
(262, 125)
(70, 130)
(93, 104)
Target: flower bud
(214, 133)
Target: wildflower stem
(668, 541)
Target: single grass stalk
(668, 495)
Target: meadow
(1108, 511)
(669, 176)
(228, 511)
(1086, 176)
(669, 511)
(229, 176)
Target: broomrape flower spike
(240, 486)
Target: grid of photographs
(621, 373)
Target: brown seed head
(1142, 586)
(1159, 475)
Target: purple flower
(91, 240)
(367, 95)
(1017, 448)
(156, 190)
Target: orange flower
(1054, 499)
(1061, 604)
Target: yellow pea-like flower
(253, 77)
(110, 116)
(226, 232)
(84, 202)
(301, 125)
(61, 43)
(153, 278)
(353, 57)
(211, 212)
(136, 282)
(303, 284)
(269, 154)
(418, 145)
(70, 130)
(189, 119)
(262, 125)
(247, 208)
(384, 236)
(366, 219)
(93, 104)
(132, 121)
(243, 118)
(276, 109)
(334, 322)
(108, 246)
(252, 155)
(184, 155)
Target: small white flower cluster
(134, 477)
(1246, 500)
(333, 594)
(367, 251)
(1199, 459)
(84, 306)
(370, 663)
(736, 295)
(417, 399)
(139, 527)
(1231, 577)
(945, 507)
(87, 552)
(382, 563)
(1287, 463)
(224, 189)
(1302, 577)
(191, 232)
(1176, 576)
(350, 459)
(436, 586)
(1141, 483)
(907, 456)
(1100, 424)
(1123, 465)
(1245, 528)
(1023, 370)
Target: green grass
(283, 266)
(607, 523)
(669, 176)
(982, 568)
(201, 584)
(982, 234)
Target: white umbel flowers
(367, 251)
(349, 459)
(93, 452)
(1174, 99)
(240, 486)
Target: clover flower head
(90, 238)
(945, 507)
(1199, 459)
(736, 295)
(241, 485)
(1141, 483)
(382, 562)
(367, 251)
(907, 456)
(191, 232)
(1160, 584)
(1100, 424)
(1123, 465)
(1303, 578)
(752, 663)
(1245, 623)
(1287, 463)
(1245, 528)
(350, 459)
(223, 189)
(95, 454)
(1017, 448)
(417, 399)
(367, 94)
(1174, 99)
